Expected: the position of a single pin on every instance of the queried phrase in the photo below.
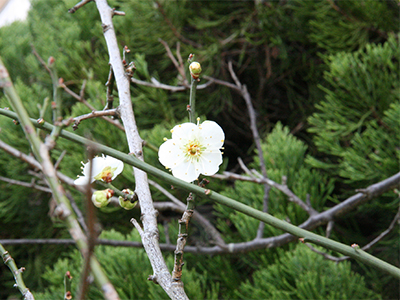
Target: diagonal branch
(299, 231)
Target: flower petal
(169, 153)
(185, 171)
(99, 163)
(184, 131)
(212, 134)
(82, 180)
(114, 163)
(209, 163)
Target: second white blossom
(193, 150)
(105, 168)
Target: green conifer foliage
(302, 274)
(279, 49)
(127, 269)
(284, 156)
(362, 87)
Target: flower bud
(51, 61)
(195, 69)
(128, 202)
(102, 198)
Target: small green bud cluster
(102, 198)
(128, 202)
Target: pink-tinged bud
(51, 60)
(195, 69)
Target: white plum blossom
(193, 150)
(105, 168)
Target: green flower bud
(128, 202)
(195, 69)
(102, 198)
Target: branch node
(152, 278)
(78, 6)
(105, 27)
(117, 13)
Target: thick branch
(150, 236)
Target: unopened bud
(102, 198)
(51, 60)
(128, 202)
(195, 69)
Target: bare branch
(26, 184)
(95, 114)
(81, 99)
(271, 242)
(222, 82)
(367, 246)
(40, 59)
(110, 87)
(158, 85)
(174, 30)
(149, 221)
(197, 217)
(281, 187)
(78, 6)
(179, 66)
(182, 237)
(35, 164)
(59, 159)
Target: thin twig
(26, 184)
(197, 217)
(281, 187)
(182, 238)
(78, 6)
(78, 212)
(116, 123)
(17, 273)
(95, 114)
(222, 82)
(367, 246)
(178, 66)
(110, 87)
(174, 30)
(158, 85)
(59, 159)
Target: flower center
(193, 149)
(106, 175)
